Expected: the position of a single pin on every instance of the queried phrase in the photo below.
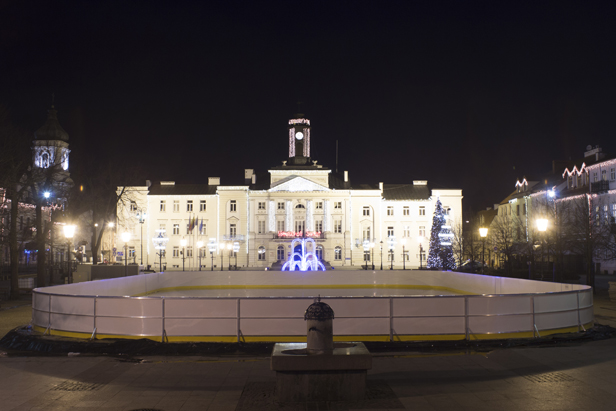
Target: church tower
(299, 141)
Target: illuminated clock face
(299, 135)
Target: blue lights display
(303, 256)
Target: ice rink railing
(240, 317)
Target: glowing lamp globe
(125, 237)
(542, 224)
(483, 232)
(69, 231)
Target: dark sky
(465, 94)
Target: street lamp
(160, 243)
(366, 244)
(483, 233)
(125, 239)
(69, 233)
(212, 247)
(236, 248)
(542, 226)
(372, 257)
(403, 241)
(381, 255)
(183, 244)
(200, 246)
(141, 217)
(391, 242)
(420, 241)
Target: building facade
(352, 225)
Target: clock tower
(299, 141)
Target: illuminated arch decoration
(306, 259)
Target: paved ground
(566, 377)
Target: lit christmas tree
(440, 254)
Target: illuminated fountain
(304, 260)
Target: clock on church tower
(299, 140)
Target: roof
(182, 189)
(406, 192)
(51, 130)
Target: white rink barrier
(489, 307)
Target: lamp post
(141, 217)
(420, 241)
(69, 233)
(542, 226)
(183, 244)
(236, 248)
(110, 225)
(125, 238)
(230, 248)
(160, 243)
(212, 247)
(381, 255)
(403, 241)
(372, 252)
(199, 247)
(391, 241)
(483, 233)
(366, 244)
(222, 248)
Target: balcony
(288, 235)
(599, 186)
(238, 237)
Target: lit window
(163, 205)
(406, 210)
(422, 210)
(202, 206)
(604, 175)
(366, 210)
(189, 206)
(176, 206)
(232, 206)
(338, 253)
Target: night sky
(465, 94)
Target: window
(133, 206)
(366, 255)
(338, 205)
(390, 232)
(261, 227)
(189, 206)
(163, 205)
(406, 210)
(517, 209)
(337, 226)
(594, 176)
(176, 229)
(604, 175)
(261, 253)
(407, 231)
(203, 228)
(614, 210)
(176, 206)
(131, 252)
(524, 209)
(202, 206)
(367, 210)
(189, 251)
(261, 205)
(176, 251)
(406, 255)
(366, 233)
(390, 210)
(232, 206)
(280, 225)
(422, 210)
(280, 253)
(280, 205)
(338, 253)
(299, 225)
(319, 205)
(300, 206)
(232, 230)
(163, 227)
(613, 174)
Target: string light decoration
(440, 253)
(304, 260)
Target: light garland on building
(295, 234)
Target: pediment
(296, 183)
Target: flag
(201, 226)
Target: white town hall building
(260, 218)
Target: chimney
(346, 176)
(254, 179)
(381, 186)
(213, 181)
(248, 173)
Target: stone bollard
(319, 323)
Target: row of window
(176, 206)
(406, 232)
(595, 175)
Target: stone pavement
(576, 376)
